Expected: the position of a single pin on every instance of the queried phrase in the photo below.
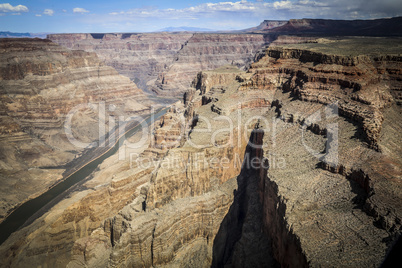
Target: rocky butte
(294, 161)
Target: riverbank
(29, 210)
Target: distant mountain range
(21, 35)
(307, 27)
(318, 27)
(184, 29)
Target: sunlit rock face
(141, 57)
(208, 51)
(340, 209)
(41, 86)
(294, 162)
(166, 62)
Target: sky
(38, 16)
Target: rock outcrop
(141, 57)
(325, 79)
(42, 87)
(208, 51)
(161, 194)
(339, 210)
(294, 163)
(267, 25)
(325, 27)
(166, 62)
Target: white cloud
(48, 12)
(9, 8)
(202, 10)
(80, 10)
(227, 15)
(38, 15)
(283, 5)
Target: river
(36, 207)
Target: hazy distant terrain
(16, 35)
(280, 145)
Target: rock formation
(141, 57)
(266, 25)
(41, 85)
(208, 51)
(340, 213)
(166, 62)
(163, 206)
(295, 162)
(324, 27)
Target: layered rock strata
(45, 88)
(260, 170)
(361, 85)
(141, 57)
(323, 27)
(170, 201)
(340, 210)
(208, 51)
(166, 62)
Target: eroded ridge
(208, 187)
(45, 90)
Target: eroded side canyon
(166, 63)
(42, 85)
(295, 162)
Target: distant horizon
(169, 28)
(36, 16)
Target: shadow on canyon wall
(240, 241)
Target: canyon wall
(141, 57)
(336, 202)
(42, 86)
(295, 162)
(166, 63)
(162, 205)
(208, 51)
(324, 27)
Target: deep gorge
(190, 195)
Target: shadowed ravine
(204, 193)
(241, 241)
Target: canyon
(282, 151)
(43, 85)
(166, 63)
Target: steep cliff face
(222, 76)
(42, 85)
(323, 27)
(141, 57)
(208, 51)
(258, 168)
(166, 62)
(325, 79)
(163, 206)
(267, 25)
(340, 206)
